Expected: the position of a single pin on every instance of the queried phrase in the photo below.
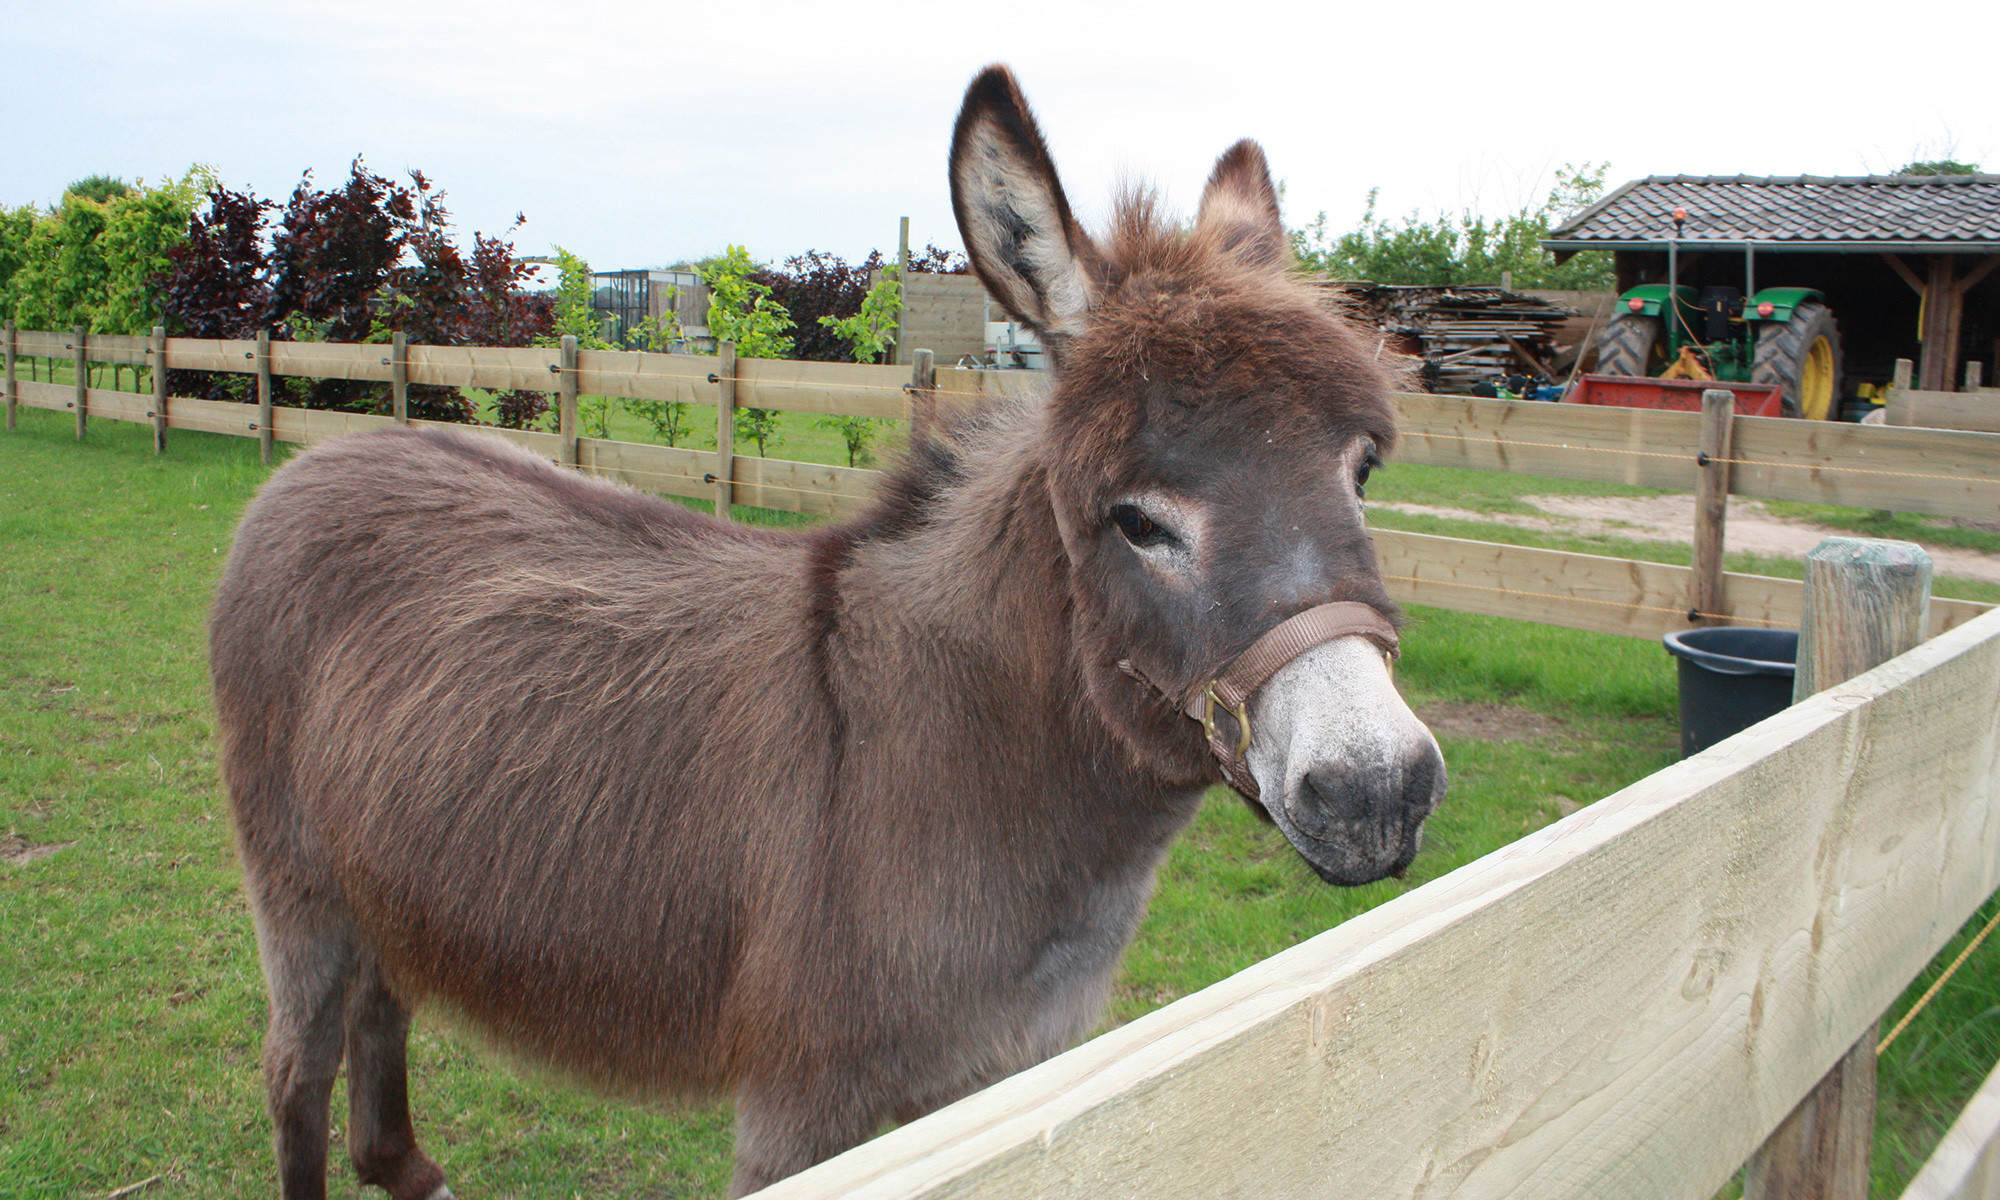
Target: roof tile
(1802, 210)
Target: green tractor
(1784, 336)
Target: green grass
(133, 1007)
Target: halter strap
(1228, 694)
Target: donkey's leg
(379, 1137)
(783, 1127)
(308, 957)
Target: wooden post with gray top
(725, 429)
(1718, 413)
(158, 352)
(264, 405)
(1866, 601)
(12, 384)
(923, 395)
(399, 377)
(566, 386)
(79, 343)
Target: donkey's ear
(1240, 207)
(1029, 251)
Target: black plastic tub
(1730, 680)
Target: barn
(1905, 263)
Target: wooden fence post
(923, 395)
(725, 430)
(159, 355)
(566, 384)
(264, 417)
(898, 354)
(1718, 413)
(80, 345)
(1866, 601)
(13, 388)
(399, 377)
(1975, 373)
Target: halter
(1228, 694)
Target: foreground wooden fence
(1908, 470)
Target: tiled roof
(1856, 212)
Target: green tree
(668, 418)
(872, 330)
(144, 225)
(1468, 248)
(741, 310)
(101, 188)
(577, 318)
(1939, 166)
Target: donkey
(847, 821)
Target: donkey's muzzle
(1355, 824)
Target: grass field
(133, 1007)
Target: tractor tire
(1803, 357)
(1631, 345)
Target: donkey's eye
(1368, 464)
(1139, 529)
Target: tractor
(1783, 337)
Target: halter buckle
(1239, 712)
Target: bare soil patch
(17, 851)
(1488, 721)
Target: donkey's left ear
(1240, 207)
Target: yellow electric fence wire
(1932, 990)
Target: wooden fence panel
(1936, 472)
(126, 348)
(38, 394)
(810, 488)
(1622, 1004)
(1973, 410)
(851, 389)
(331, 360)
(40, 343)
(670, 470)
(529, 368)
(120, 405)
(1568, 441)
(317, 425)
(1966, 1164)
(631, 375)
(206, 354)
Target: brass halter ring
(1239, 712)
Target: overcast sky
(646, 134)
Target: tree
(741, 310)
(1941, 166)
(1465, 249)
(101, 188)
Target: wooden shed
(1904, 261)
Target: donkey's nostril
(1328, 796)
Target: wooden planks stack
(1464, 335)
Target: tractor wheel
(1803, 356)
(1631, 345)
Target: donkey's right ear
(1029, 251)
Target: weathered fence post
(1718, 412)
(399, 377)
(81, 404)
(897, 353)
(1866, 601)
(1975, 374)
(566, 385)
(923, 395)
(264, 417)
(725, 429)
(13, 389)
(159, 355)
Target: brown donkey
(848, 821)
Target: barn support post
(923, 395)
(399, 377)
(79, 344)
(158, 352)
(1866, 601)
(265, 444)
(725, 429)
(1718, 413)
(13, 384)
(566, 385)
(1975, 375)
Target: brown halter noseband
(1228, 694)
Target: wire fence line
(1931, 472)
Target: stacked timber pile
(1464, 335)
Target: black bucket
(1730, 680)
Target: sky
(642, 135)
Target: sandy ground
(1671, 519)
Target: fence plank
(670, 470)
(42, 343)
(1966, 1164)
(802, 487)
(1567, 441)
(332, 360)
(123, 348)
(1621, 1004)
(1936, 472)
(207, 354)
(1971, 409)
(629, 374)
(531, 368)
(852, 389)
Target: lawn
(134, 1008)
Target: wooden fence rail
(1622, 1004)
(1908, 470)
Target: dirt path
(1671, 519)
